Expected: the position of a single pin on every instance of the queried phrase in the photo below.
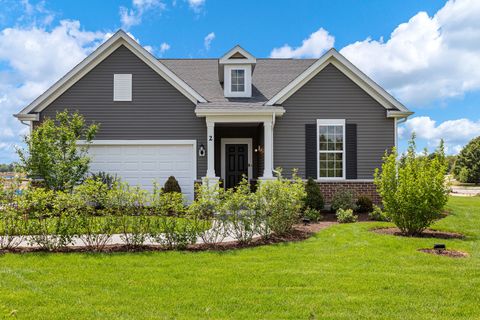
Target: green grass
(344, 272)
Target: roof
(268, 78)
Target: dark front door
(236, 163)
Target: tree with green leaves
(467, 166)
(413, 188)
(52, 153)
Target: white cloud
(196, 5)
(312, 47)
(455, 133)
(427, 58)
(164, 47)
(207, 41)
(133, 16)
(35, 58)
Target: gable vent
(122, 87)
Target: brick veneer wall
(359, 188)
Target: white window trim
(331, 122)
(247, 93)
(247, 141)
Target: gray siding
(332, 95)
(158, 110)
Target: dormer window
(235, 70)
(238, 80)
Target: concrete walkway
(463, 191)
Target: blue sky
(426, 53)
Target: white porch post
(268, 161)
(210, 149)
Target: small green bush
(413, 189)
(343, 199)
(346, 216)
(171, 185)
(278, 203)
(377, 214)
(106, 178)
(314, 198)
(364, 204)
(312, 214)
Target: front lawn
(344, 271)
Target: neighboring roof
(114, 42)
(269, 77)
(350, 70)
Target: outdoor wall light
(201, 151)
(259, 148)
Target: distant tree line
(7, 167)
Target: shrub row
(95, 210)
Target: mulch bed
(428, 233)
(446, 253)
(299, 233)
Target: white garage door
(143, 162)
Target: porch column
(268, 161)
(210, 149)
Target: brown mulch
(428, 233)
(446, 253)
(299, 233)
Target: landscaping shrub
(12, 227)
(413, 189)
(172, 232)
(343, 199)
(129, 206)
(52, 153)
(94, 193)
(212, 224)
(50, 225)
(278, 203)
(106, 178)
(312, 214)
(167, 203)
(239, 208)
(314, 198)
(171, 185)
(377, 214)
(364, 204)
(346, 216)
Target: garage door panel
(143, 164)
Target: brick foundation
(359, 188)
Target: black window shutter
(351, 150)
(311, 151)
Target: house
(227, 117)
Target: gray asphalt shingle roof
(268, 78)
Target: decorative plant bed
(428, 233)
(446, 253)
(299, 233)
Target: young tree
(413, 188)
(52, 153)
(467, 166)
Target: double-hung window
(238, 80)
(331, 148)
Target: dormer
(236, 68)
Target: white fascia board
(398, 114)
(277, 111)
(27, 117)
(350, 70)
(103, 51)
(225, 59)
